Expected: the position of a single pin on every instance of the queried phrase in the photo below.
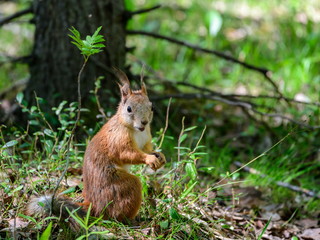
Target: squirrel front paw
(156, 160)
(161, 157)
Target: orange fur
(107, 185)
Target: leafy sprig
(91, 45)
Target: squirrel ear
(125, 91)
(121, 76)
(124, 84)
(143, 86)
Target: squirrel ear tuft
(143, 88)
(143, 85)
(124, 84)
(121, 76)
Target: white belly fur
(141, 138)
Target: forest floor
(229, 210)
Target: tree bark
(56, 62)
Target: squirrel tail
(43, 206)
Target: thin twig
(71, 135)
(244, 96)
(273, 98)
(144, 10)
(166, 126)
(41, 113)
(10, 59)
(199, 140)
(254, 159)
(96, 89)
(258, 121)
(8, 19)
(235, 97)
(264, 71)
(101, 65)
(278, 115)
(203, 96)
(279, 183)
(179, 138)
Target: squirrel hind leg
(123, 197)
(130, 198)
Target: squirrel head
(135, 109)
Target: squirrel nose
(144, 122)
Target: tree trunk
(56, 62)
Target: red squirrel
(107, 185)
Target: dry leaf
(307, 223)
(312, 234)
(273, 216)
(17, 223)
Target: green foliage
(91, 45)
(47, 233)
(86, 224)
(264, 229)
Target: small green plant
(91, 45)
(88, 47)
(264, 229)
(86, 224)
(47, 232)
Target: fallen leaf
(273, 216)
(259, 224)
(146, 231)
(307, 223)
(72, 182)
(312, 234)
(17, 223)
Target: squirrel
(108, 186)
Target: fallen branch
(14, 88)
(292, 100)
(22, 59)
(279, 115)
(279, 183)
(264, 71)
(144, 10)
(8, 19)
(233, 102)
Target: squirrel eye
(129, 109)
